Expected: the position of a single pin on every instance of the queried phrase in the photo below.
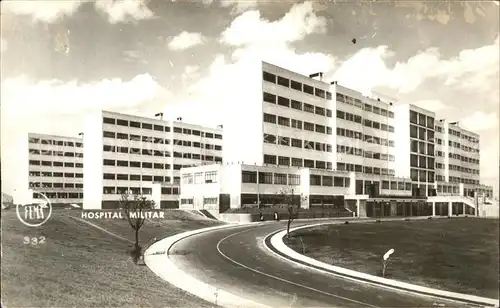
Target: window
(293, 179)
(308, 89)
(385, 184)
(147, 165)
(430, 149)
(121, 122)
(282, 81)
(308, 163)
(135, 124)
(280, 179)
(320, 164)
(421, 147)
(283, 161)
(421, 133)
(283, 121)
(249, 176)
(106, 134)
(296, 105)
(319, 92)
(296, 162)
(270, 98)
(309, 126)
(297, 143)
(108, 120)
(122, 177)
(108, 162)
(269, 118)
(413, 117)
(308, 108)
(108, 176)
(158, 128)
(265, 178)
(270, 159)
(422, 119)
(413, 160)
(320, 129)
(296, 124)
(211, 177)
(413, 131)
(296, 85)
(315, 180)
(283, 101)
(319, 110)
(268, 138)
(414, 174)
(269, 77)
(340, 114)
(284, 141)
(422, 162)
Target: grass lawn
(80, 266)
(459, 254)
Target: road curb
(157, 260)
(277, 243)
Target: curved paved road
(235, 260)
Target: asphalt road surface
(236, 260)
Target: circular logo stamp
(37, 213)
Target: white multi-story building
(457, 160)
(55, 168)
(415, 147)
(128, 154)
(288, 120)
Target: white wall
(242, 125)
(402, 140)
(92, 162)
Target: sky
(61, 60)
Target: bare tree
(134, 206)
(292, 203)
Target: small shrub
(378, 220)
(430, 217)
(346, 222)
(407, 219)
(449, 217)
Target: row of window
(455, 179)
(368, 123)
(295, 104)
(458, 146)
(365, 137)
(285, 82)
(156, 140)
(459, 157)
(297, 143)
(55, 185)
(55, 153)
(60, 195)
(463, 136)
(463, 169)
(393, 185)
(296, 162)
(366, 169)
(269, 178)
(159, 153)
(288, 83)
(447, 189)
(422, 147)
(318, 164)
(160, 128)
(55, 164)
(422, 175)
(284, 121)
(55, 142)
(112, 190)
(421, 161)
(57, 174)
(140, 177)
(366, 154)
(421, 133)
(200, 177)
(421, 119)
(327, 180)
(147, 165)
